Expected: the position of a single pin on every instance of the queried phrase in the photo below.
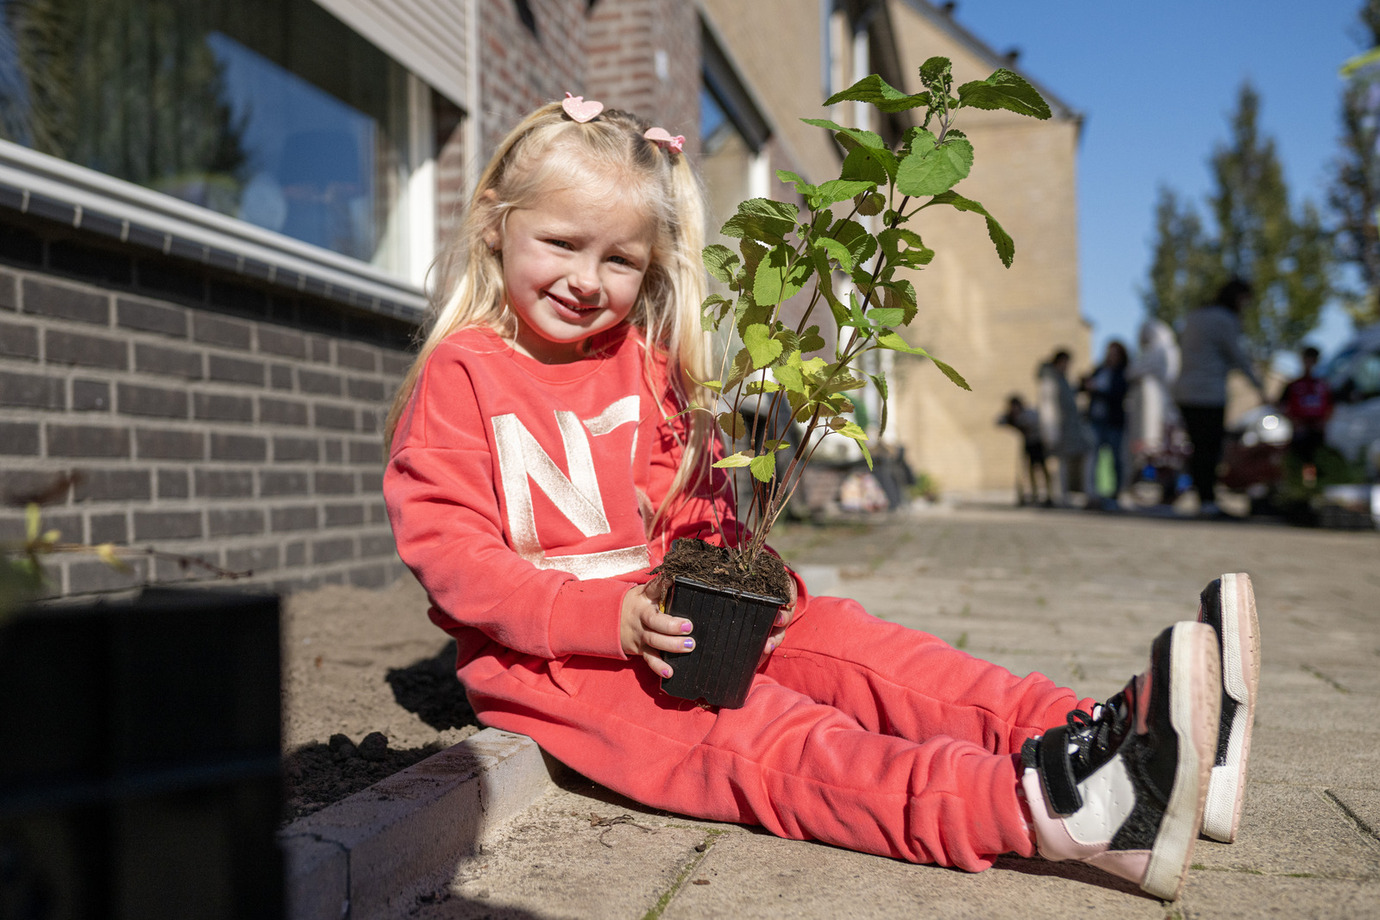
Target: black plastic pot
(731, 629)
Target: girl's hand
(783, 619)
(647, 631)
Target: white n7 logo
(522, 462)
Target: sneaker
(1228, 606)
(1122, 788)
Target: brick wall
(193, 413)
(644, 56)
(526, 64)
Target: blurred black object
(140, 758)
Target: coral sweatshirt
(520, 493)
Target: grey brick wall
(236, 425)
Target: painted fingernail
(688, 643)
(665, 672)
(686, 626)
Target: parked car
(1354, 375)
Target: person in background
(1212, 348)
(1026, 422)
(1106, 388)
(1061, 425)
(1307, 403)
(1151, 416)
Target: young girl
(542, 462)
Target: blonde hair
(540, 154)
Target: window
(272, 112)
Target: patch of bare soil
(369, 688)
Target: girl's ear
(492, 237)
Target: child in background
(1307, 402)
(542, 461)
(1026, 422)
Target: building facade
(217, 219)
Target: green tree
(1354, 196)
(1184, 268)
(1286, 255)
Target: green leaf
(778, 277)
(1004, 90)
(762, 219)
(904, 247)
(836, 190)
(936, 75)
(760, 344)
(768, 207)
(720, 262)
(848, 428)
(831, 248)
(33, 521)
(789, 375)
(852, 234)
(929, 169)
(764, 467)
(811, 341)
(790, 178)
(865, 138)
(869, 164)
(887, 316)
(874, 90)
(870, 205)
(1006, 247)
(713, 311)
(900, 295)
(741, 458)
(742, 366)
(879, 381)
(952, 374)
(732, 425)
(892, 341)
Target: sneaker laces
(1093, 737)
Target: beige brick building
(995, 325)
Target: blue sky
(1157, 83)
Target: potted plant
(811, 293)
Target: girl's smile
(573, 265)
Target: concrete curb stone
(373, 853)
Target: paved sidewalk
(1077, 595)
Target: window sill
(53, 189)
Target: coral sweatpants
(856, 732)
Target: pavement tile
(1307, 757)
(577, 852)
(1244, 896)
(1293, 830)
(750, 875)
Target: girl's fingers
(774, 640)
(663, 643)
(665, 625)
(659, 667)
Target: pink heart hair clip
(663, 139)
(579, 110)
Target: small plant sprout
(839, 261)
